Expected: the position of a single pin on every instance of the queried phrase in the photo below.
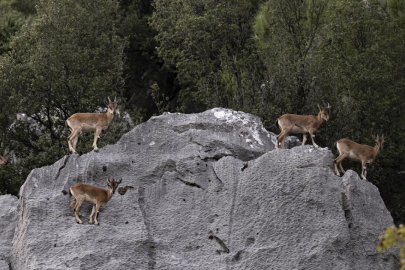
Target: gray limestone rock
(8, 219)
(210, 192)
(4, 265)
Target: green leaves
(266, 57)
(11, 21)
(207, 44)
(67, 60)
(394, 237)
(287, 34)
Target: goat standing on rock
(357, 152)
(305, 124)
(90, 194)
(96, 122)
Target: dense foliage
(67, 60)
(266, 57)
(208, 45)
(394, 237)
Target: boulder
(8, 219)
(209, 192)
(4, 265)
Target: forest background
(268, 57)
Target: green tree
(288, 37)
(209, 46)
(11, 21)
(347, 53)
(143, 66)
(366, 49)
(67, 60)
(27, 7)
(394, 237)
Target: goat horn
(115, 98)
(109, 99)
(328, 105)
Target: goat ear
(119, 182)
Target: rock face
(8, 218)
(210, 192)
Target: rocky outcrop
(210, 192)
(8, 219)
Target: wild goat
(357, 152)
(90, 194)
(86, 122)
(305, 124)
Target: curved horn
(115, 98)
(109, 99)
(328, 105)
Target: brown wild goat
(90, 194)
(86, 122)
(305, 124)
(357, 152)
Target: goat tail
(66, 192)
(67, 125)
(335, 144)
